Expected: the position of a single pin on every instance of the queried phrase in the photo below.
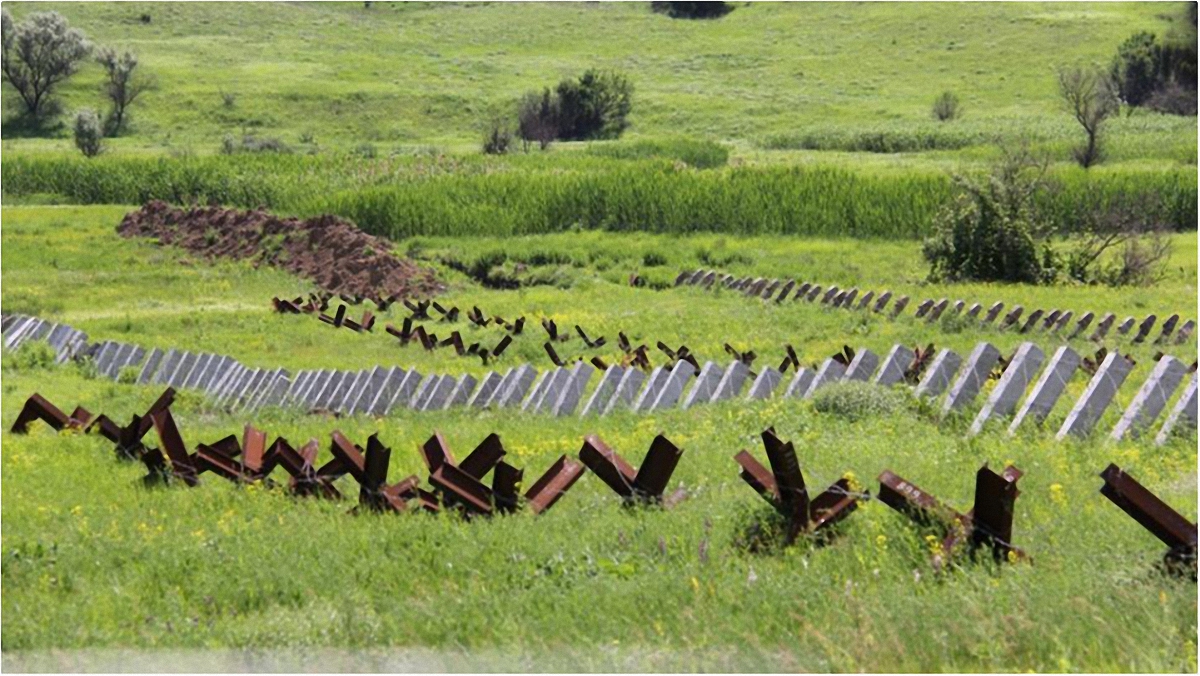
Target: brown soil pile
(331, 252)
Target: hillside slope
(408, 74)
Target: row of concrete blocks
(380, 390)
(1056, 321)
(65, 340)
(1152, 397)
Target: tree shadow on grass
(24, 125)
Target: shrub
(128, 375)
(497, 136)
(1135, 68)
(1130, 225)
(89, 133)
(38, 54)
(692, 10)
(946, 107)
(31, 355)
(594, 106)
(991, 229)
(857, 400)
(1173, 99)
(654, 259)
(1160, 76)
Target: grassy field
(133, 290)
(784, 140)
(93, 561)
(407, 76)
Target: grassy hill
(778, 75)
(745, 154)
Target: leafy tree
(39, 53)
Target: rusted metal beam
(989, 523)
(634, 486)
(551, 486)
(784, 488)
(608, 465)
(1156, 516)
(171, 444)
(38, 407)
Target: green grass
(809, 154)
(91, 560)
(94, 562)
(404, 75)
(402, 197)
(133, 290)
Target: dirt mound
(331, 252)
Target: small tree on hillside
(1091, 98)
(537, 119)
(123, 84)
(497, 135)
(39, 53)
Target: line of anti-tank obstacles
(931, 310)
(381, 390)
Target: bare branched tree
(123, 84)
(1120, 240)
(39, 53)
(1092, 99)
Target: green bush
(1160, 76)
(857, 400)
(946, 107)
(30, 356)
(594, 106)
(1135, 70)
(705, 9)
(89, 133)
(991, 231)
(129, 375)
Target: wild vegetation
(537, 158)
(401, 197)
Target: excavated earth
(331, 252)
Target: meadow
(94, 562)
(405, 76)
(788, 140)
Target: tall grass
(697, 153)
(405, 196)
